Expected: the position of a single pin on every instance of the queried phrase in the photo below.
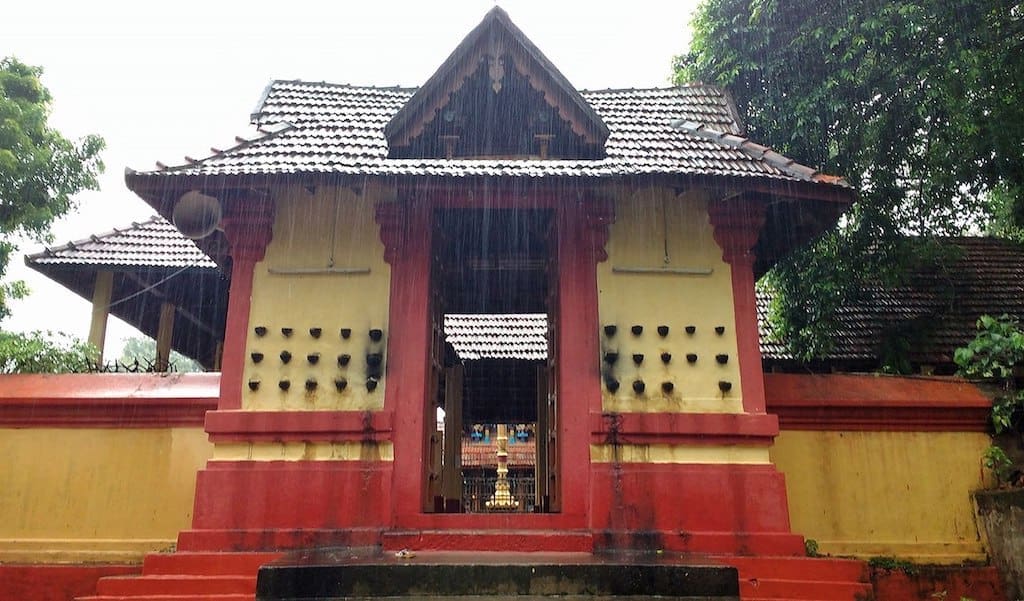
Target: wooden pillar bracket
(600, 215)
(737, 225)
(391, 218)
(249, 227)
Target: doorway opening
(493, 311)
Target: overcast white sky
(162, 80)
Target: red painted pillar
(248, 225)
(582, 233)
(406, 234)
(737, 224)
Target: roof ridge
(413, 88)
(335, 84)
(758, 152)
(264, 132)
(401, 88)
(691, 85)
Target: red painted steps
(207, 563)
(262, 539)
(555, 541)
(249, 597)
(187, 576)
(231, 576)
(175, 584)
(800, 578)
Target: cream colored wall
(904, 494)
(328, 228)
(79, 495)
(305, 451)
(665, 453)
(703, 299)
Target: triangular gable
(498, 50)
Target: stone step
(338, 574)
(529, 598)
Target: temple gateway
(497, 314)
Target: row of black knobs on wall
(311, 384)
(639, 386)
(375, 334)
(372, 359)
(611, 357)
(611, 329)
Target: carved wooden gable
(496, 96)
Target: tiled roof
(943, 304)
(152, 243)
(322, 128)
(150, 263)
(485, 454)
(491, 336)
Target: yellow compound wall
(903, 494)
(95, 494)
(656, 231)
(300, 285)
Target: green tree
(40, 352)
(993, 356)
(916, 102)
(40, 170)
(141, 350)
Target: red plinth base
(319, 495)
(734, 509)
(713, 508)
(55, 582)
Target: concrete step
(338, 574)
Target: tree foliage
(994, 355)
(46, 353)
(141, 350)
(40, 170)
(916, 102)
